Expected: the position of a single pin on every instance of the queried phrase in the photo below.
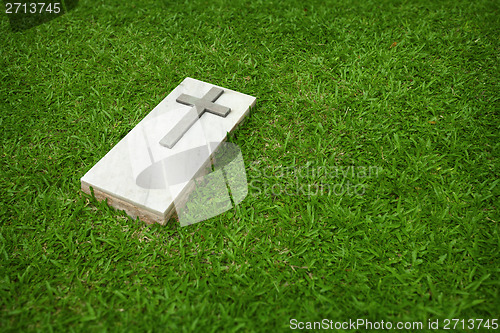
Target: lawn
(372, 158)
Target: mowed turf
(371, 156)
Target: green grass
(410, 89)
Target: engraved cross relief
(202, 105)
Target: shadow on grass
(24, 15)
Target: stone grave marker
(154, 170)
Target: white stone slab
(124, 175)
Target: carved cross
(202, 105)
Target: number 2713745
(470, 324)
(32, 8)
